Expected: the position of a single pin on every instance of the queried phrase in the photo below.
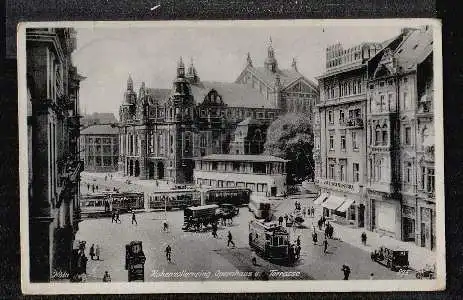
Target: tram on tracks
(102, 204)
(236, 196)
(173, 199)
(269, 240)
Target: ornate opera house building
(163, 130)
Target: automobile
(393, 258)
(427, 272)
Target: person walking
(280, 220)
(92, 251)
(214, 232)
(97, 252)
(298, 251)
(314, 238)
(253, 258)
(88, 187)
(93, 188)
(134, 218)
(106, 277)
(298, 241)
(346, 270)
(113, 216)
(168, 253)
(97, 188)
(118, 217)
(230, 240)
(286, 218)
(165, 226)
(312, 210)
(364, 238)
(325, 245)
(372, 276)
(303, 212)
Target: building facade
(400, 151)
(379, 168)
(100, 148)
(53, 146)
(97, 118)
(262, 174)
(162, 130)
(339, 132)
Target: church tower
(192, 75)
(271, 62)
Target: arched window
(378, 135)
(385, 135)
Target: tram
(236, 196)
(102, 204)
(174, 199)
(269, 240)
(261, 207)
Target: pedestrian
(298, 241)
(106, 277)
(113, 216)
(168, 253)
(325, 245)
(286, 218)
(303, 212)
(230, 240)
(92, 251)
(165, 226)
(314, 238)
(312, 211)
(364, 238)
(372, 276)
(106, 178)
(253, 258)
(157, 183)
(327, 230)
(214, 232)
(346, 270)
(331, 231)
(133, 218)
(320, 224)
(88, 187)
(298, 252)
(97, 188)
(280, 220)
(93, 188)
(118, 216)
(97, 252)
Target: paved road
(200, 253)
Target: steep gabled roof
(158, 95)
(233, 94)
(100, 129)
(416, 47)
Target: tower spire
(130, 83)
(294, 65)
(180, 68)
(249, 60)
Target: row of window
(98, 161)
(343, 144)
(101, 150)
(353, 114)
(342, 171)
(255, 187)
(92, 140)
(239, 167)
(344, 88)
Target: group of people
(95, 252)
(115, 217)
(108, 176)
(94, 187)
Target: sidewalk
(418, 257)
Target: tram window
(275, 241)
(267, 237)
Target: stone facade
(100, 148)
(53, 145)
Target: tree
(291, 137)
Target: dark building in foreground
(53, 146)
(163, 130)
(100, 148)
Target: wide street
(200, 253)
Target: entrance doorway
(361, 218)
(273, 191)
(151, 170)
(409, 229)
(137, 168)
(160, 170)
(131, 168)
(423, 234)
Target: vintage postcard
(231, 156)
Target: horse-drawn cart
(194, 218)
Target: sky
(106, 56)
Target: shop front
(385, 215)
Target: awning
(347, 203)
(333, 202)
(320, 198)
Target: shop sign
(341, 186)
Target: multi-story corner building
(53, 146)
(162, 130)
(400, 150)
(262, 174)
(340, 148)
(100, 148)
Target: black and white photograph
(237, 156)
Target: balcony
(352, 123)
(425, 106)
(384, 187)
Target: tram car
(269, 240)
(236, 196)
(174, 199)
(102, 204)
(198, 216)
